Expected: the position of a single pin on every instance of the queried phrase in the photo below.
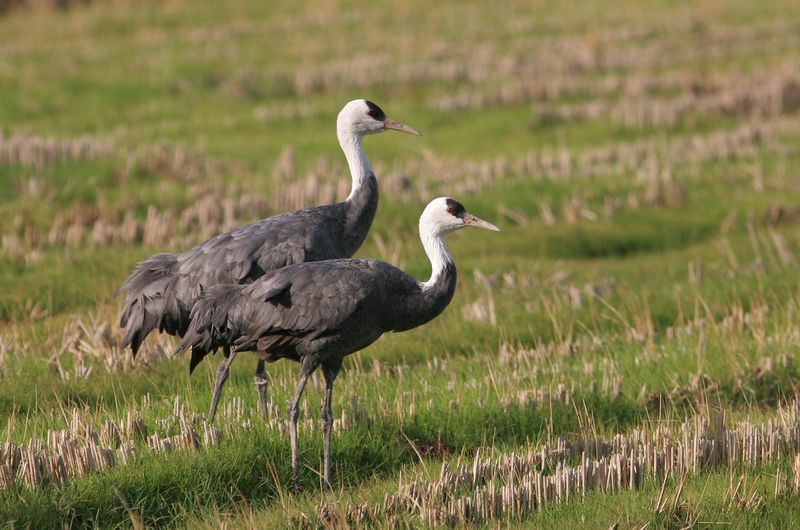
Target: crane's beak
(389, 123)
(471, 220)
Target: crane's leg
(307, 368)
(223, 371)
(330, 370)
(261, 381)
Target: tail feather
(209, 328)
(153, 301)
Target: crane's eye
(451, 210)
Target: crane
(318, 313)
(163, 288)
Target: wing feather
(276, 313)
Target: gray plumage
(318, 313)
(323, 310)
(162, 290)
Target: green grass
(647, 306)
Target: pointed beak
(389, 123)
(471, 220)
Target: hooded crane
(162, 289)
(318, 313)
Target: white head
(360, 117)
(444, 214)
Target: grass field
(622, 353)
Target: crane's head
(444, 214)
(362, 117)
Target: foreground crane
(318, 313)
(162, 289)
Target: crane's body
(318, 313)
(162, 290)
(324, 310)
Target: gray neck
(435, 294)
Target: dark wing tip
(197, 357)
(135, 343)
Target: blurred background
(640, 158)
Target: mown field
(622, 354)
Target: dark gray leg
(306, 370)
(260, 379)
(223, 371)
(330, 370)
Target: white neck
(437, 252)
(360, 168)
